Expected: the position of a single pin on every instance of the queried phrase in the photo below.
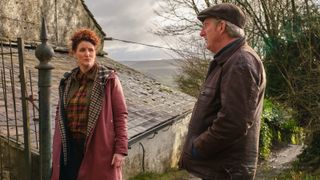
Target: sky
(129, 20)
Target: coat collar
(223, 55)
(97, 97)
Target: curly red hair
(84, 35)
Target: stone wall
(161, 150)
(12, 161)
(23, 19)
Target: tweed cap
(224, 11)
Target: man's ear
(222, 26)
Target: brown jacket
(225, 124)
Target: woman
(90, 138)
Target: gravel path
(279, 161)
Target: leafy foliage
(292, 62)
(310, 158)
(277, 125)
(265, 143)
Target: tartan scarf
(77, 111)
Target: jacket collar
(223, 55)
(97, 97)
(90, 74)
(103, 74)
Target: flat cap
(224, 11)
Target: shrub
(277, 125)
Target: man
(223, 137)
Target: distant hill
(162, 70)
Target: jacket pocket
(207, 94)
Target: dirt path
(280, 160)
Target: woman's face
(85, 55)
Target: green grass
(172, 174)
(297, 175)
(175, 174)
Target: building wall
(12, 166)
(161, 152)
(23, 19)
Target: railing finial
(43, 34)
(44, 52)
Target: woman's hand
(117, 160)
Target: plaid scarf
(77, 111)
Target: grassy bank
(172, 174)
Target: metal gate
(19, 114)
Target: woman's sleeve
(120, 114)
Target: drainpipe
(44, 53)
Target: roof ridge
(92, 17)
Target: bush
(277, 126)
(265, 140)
(309, 159)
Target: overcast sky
(128, 20)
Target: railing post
(44, 53)
(25, 110)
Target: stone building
(158, 115)
(22, 19)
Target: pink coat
(106, 136)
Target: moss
(165, 89)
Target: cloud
(123, 19)
(128, 20)
(139, 54)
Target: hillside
(162, 70)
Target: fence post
(44, 53)
(25, 110)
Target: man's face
(211, 32)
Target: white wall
(161, 151)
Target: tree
(285, 33)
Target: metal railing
(15, 128)
(44, 53)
